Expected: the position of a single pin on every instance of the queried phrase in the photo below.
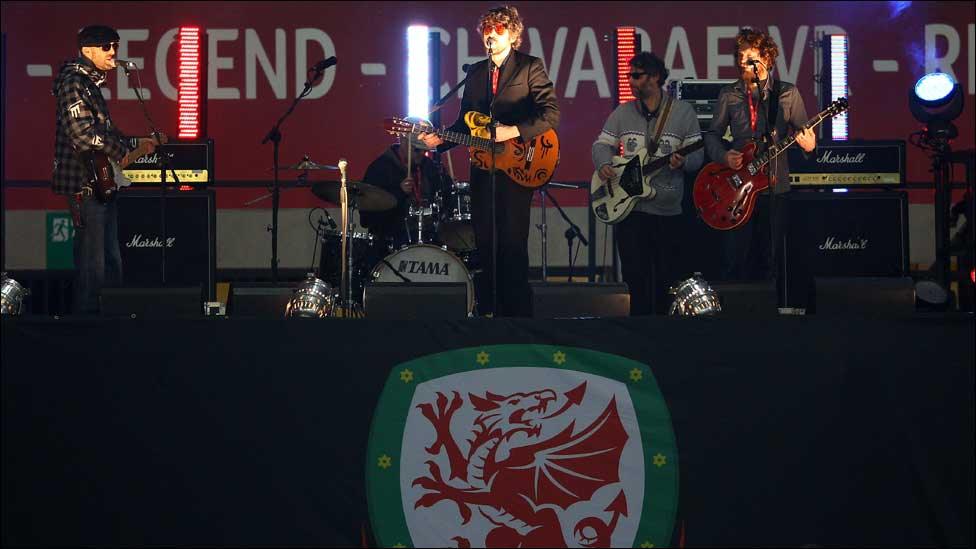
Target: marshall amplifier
(192, 161)
(190, 236)
(849, 235)
(849, 164)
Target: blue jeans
(97, 257)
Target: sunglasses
(499, 28)
(636, 75)
(111, 46)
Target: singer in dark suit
(524, 106)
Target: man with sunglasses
(519, 94)
(649, 237)
(84, 126)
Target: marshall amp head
(849, 164)
(192, 161)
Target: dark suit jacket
(525, 98)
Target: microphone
(127, 65)
(342, 168)
(324, 64)
(465, 67)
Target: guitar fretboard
(772, 152)
(460, 138)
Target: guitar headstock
(838, 106)
(402, 127)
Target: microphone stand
(162, 161)
(274, 135)
(763, 135)
(544, 228)
(491, 180)
(571, 233)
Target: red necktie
(494, 81)
(752, 112)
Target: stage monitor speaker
(863, 295)
(583, 299)
(153, 302)
(416, 300)
(843, 235)
(747, 298)
(259, 301)
(190, 237)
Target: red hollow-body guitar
(725, 198)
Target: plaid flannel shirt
(83, 125)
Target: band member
(648, 237)
(417, 189)
(524, 106)
(745, 108)
(84, 126)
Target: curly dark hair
(751, 38)
(651, 64)
(506, 15)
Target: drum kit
(439, 246)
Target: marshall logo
(832, 244)
(828, 157)
(139, 241)
(424, 267)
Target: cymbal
(369, 198)
(307, 164)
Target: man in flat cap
(84, 127)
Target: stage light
(838, 84)
(936, 100)
(12, 296)
(314, 298)
(418, 71)
(694, 297)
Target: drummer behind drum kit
(439, 248)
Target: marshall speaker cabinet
(190, 239)
(860, 234)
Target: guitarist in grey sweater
(648, 236)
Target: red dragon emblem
(519, 481)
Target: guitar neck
(463, 139)
(779, 148)
(658, 162)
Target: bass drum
(424, 263)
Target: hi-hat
(307, 164)
(369, 198)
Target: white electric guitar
(613, 199)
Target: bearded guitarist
(524, 105)
(758, 105)
(649, 235)
(84, 127)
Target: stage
(791, 431)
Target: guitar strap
(659, 127)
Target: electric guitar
(529, 164)
(725, 198)
(106, 175)
(613, 200)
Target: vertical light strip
(418, 71)
(626, 49)
(188, 89)
(838, 84)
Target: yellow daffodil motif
(482, 358)
(636, 375)
(402, 545)
(559, 357)
(647, 545)
(385, 462)
(660, 460)
(406, 376)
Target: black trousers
(749, 253)
(513, 204)
(648, 245)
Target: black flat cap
(96, 35)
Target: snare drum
(424, 263)
(455, 230)
(366, 251)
